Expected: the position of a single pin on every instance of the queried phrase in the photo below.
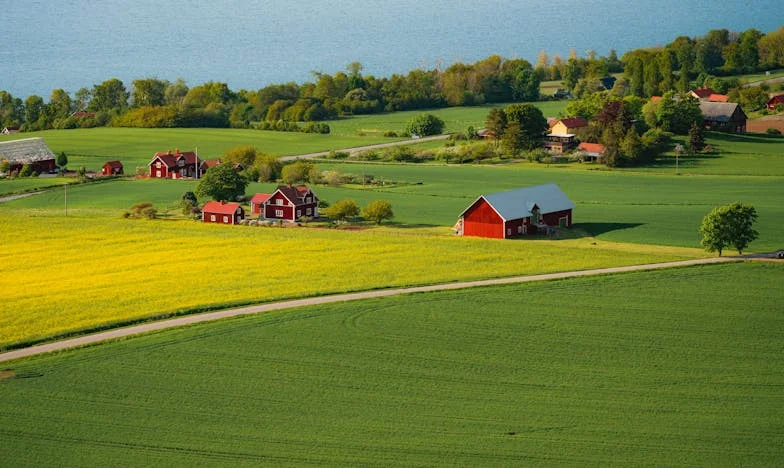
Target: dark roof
(220, 207)
(720, 111)
(114, 164)
(518, 203)
(170, 159)
(25, 151)
(703, 93)
(573, 122)
(296, 194)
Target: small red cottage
(775, 101)
(257, 202)
(222, 213)
(112, 168)
(290, 203)
(516, 213)
(175, 165)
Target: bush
(27, 171)
(144, 210)
(337, 155)
(424, 125)
(378, 210)
(390, 134)
(773, 131)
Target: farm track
(9, 198)
(207, 317)
(357, 149)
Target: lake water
(248, 44)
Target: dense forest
(150, 102)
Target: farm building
(29, 151)
(560, 139)
(593, 151)
(775, 101)
(9, 130)
(222, 213)
(516, 213)
(175, 165)
(112, 168)
(289, 203)
(723, 117)
(257, 202)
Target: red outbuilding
(175, 165)
(222, 213)
(257, 202)
(775, 101)
(289, 203)
(112, 168)
(516, 213)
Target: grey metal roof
(718, 111)
(518, 203)
(25, 151)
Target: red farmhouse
(222, 213)
(775, 101)
(257, 202)
(290, 203)
(112, 168)
(175, 165)
(516, 213)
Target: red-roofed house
(222, 213)
(593, 151)
(175, 165)
(290, 203)
(718, 98)
(112, 168)
(701, 93)
(656, 98)
(257, 202)
(208, 163)
(775, 101)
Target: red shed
(775, 101)
(257, 202)
(112, 168)
(516, 212)
(222, 213)
(290, 203)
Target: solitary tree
(342, 210)
(696, 137)
(221, 183)
(378, 210)
(424, 125)
(62, 160)
(729, 226)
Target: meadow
(136, 146)
(634, 369)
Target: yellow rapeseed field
(63, 275)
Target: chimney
(176, 151)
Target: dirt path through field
(364, 148)
(8, 198)
(207, 317)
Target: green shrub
(773, 131)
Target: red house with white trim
(289, 203)
(257, 202)
(775, 101)
(516, 213)
(222, 213)
(175, 165)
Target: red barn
(175, 165)
(290, 203)
(112, 168)
(516, 213)
(775, 101)
(257, 202)
(222, 213)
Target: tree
(424, 125)
(512, 140)
(729, 225)
(531, 121)
(27, 171)
(299, 171)
(5, 166)
(222, 183)
(243, 155)
(62, 160)
(378, 210)
(269, 167)
(696, 137)
(33, 107)
(110, 94)
(495, 122)
(149, 92)
(342, 210)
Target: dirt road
(208, 317)
(364, 148)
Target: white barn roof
(26, 151)
(518, 203)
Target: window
(520, 229)
(279, 213)
(279, 202)
(508, 231)
(158, 164)
(563, 222)
(299, 213)
(225, 219)
(307, 199)
(309, 211)
(212, 217)
(157, 173)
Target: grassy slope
(599, 371)
(104, 271)
(135, 147)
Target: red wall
(232, 219)
(551, 219)
(482, 221)
(269, 211)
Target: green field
(635, 369)
(135, 147)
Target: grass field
(596, 371)
(32, 184)
(135, 147)
(94, 272)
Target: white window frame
(508, 231)
(212, 218)
(225, 219)
(520, 229)
(157, 173)
(309, 211)
(279, 202)
(158, 164)
(278, 213)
